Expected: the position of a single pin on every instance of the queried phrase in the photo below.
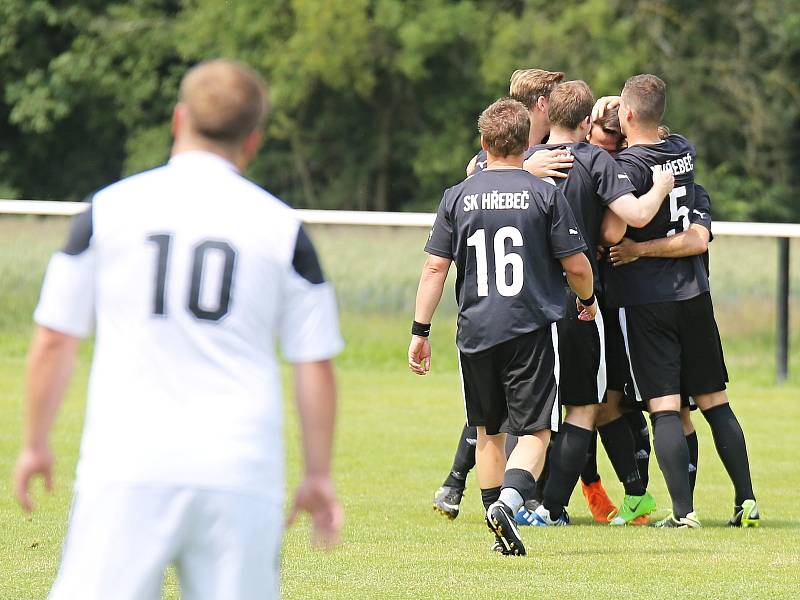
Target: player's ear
(586, 124)
(178, 119)
(251, 144)
(541, 104)
(484, 145)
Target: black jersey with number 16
(505, 229)
(649, 280)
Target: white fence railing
(782, 231)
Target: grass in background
(397, 433)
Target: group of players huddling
(580, 241)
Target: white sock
(511, 498)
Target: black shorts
(582, 360)
(512, 387)
(618, 373)
(674, 348)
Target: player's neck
(559, 135)
(512, 161)
(192, 144)
(642, 135)
(537, 134)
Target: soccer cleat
(690, 521)
(643, 520)
(447, 501)
(542, 518)
(524, 515)
(746, 515)
(500, 520)
(600, 504)
(634, 507)
(498, 546)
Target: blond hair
(527, 85)
(226, 100)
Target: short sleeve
(637, 177)
(440, 239)
(67, 300)
(309, 320)
(701, 213)
(610, 181)
(565, 237)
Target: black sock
(567, 458)
(641, 440)
(538, 492)
(618, 442)
(673, 459)
(464, 460)
(589, 474)
(694, 452)
(490, 496)
(731, 447)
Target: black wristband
(589, 301)
(421, 329)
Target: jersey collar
(202, 159)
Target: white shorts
(121, 538)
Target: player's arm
(612, 229)
(309, 335)
(638, 212)
(548, 163)
(429, 293)
(567, 246)
(431, 286)
(51, 361)
(65, 314)
(691, 242)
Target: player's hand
(32, 462)
(623, 253)
(316, 496)
(587, 313)
(602, 104)
(545, 163)
(663, 180)
(419, 355)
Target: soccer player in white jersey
(188, 273)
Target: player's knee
(707, 401)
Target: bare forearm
(687, 243)
(315, 387)
(51, 362)
(579, 274)
(582, 284)
(429, 292)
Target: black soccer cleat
(745, 515)
(500, 519)
(447, 501)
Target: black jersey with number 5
(649, 280)
(505, 229)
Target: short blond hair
(528, 84)
(226, 100)
(504, 127)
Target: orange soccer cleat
(600, 504)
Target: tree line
(374, 102)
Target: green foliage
(375, 101)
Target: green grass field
(395, 442)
